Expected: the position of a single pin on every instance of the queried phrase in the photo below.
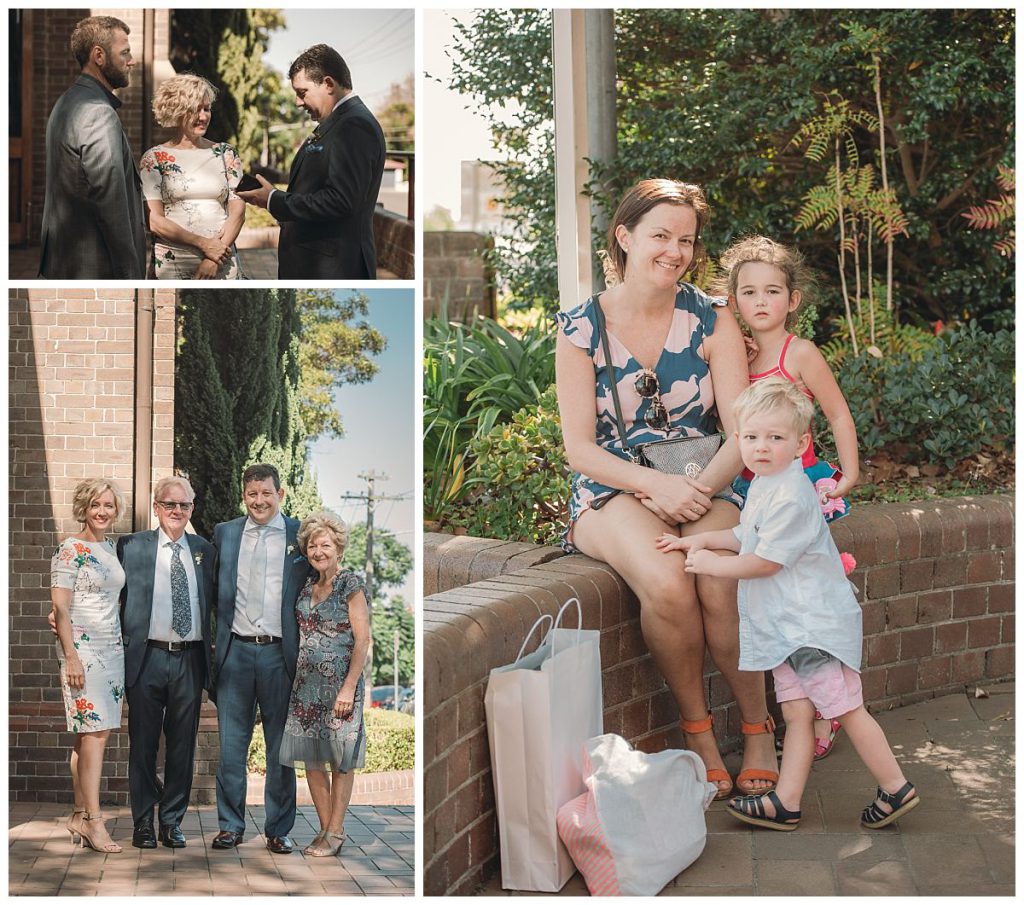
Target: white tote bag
(540, 710)
(641, 821)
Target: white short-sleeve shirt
(809, 602)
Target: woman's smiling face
(660, 247)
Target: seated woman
(676, 365)
(324, 732)
(189, 183)
(85, 586)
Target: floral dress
(195, 186)
(91, 571)
(684, 376)
(313, 736)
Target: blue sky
(377, 44)
(379, 418)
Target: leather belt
(257, 639)
(173, 646)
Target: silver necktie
(257, 577)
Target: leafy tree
(336, 348)
(392, 560)
(226, 47)
(715, 96)
(386, 621)
(438, 219)
(397, 116)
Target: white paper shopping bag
(540, 710)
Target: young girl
(762, 279)
(798, 613)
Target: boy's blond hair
(771, 394)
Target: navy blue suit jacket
(137, 554)
(227, 537)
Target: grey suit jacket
(93, 219)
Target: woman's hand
(345, 703)
(751, 347)
(74, 671)
(207, 270)
(215, 250)
(681, 498)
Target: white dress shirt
(273, 589)
(809, 602)
(160, 617)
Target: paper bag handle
(529, 634)
(579, 616)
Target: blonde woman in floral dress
(86, 581)
(189, 184)
(324, 732)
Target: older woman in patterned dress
(86, 582)
(324, 732)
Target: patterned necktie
(181, 605)
(257, 576)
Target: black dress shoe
(227, 839)
(171, 835)
(143, 835)
(280, 845)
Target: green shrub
(390, 741)
(952, 402)
(520, 477)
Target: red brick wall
(71, 410)
(455, 273)
(937, 590)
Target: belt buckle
(264, 639)
(176, 646)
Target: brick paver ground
(377, 859)
(959, 752)
(257, 264)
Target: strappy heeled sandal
(73, 825)
(750, 774)
(750, 809)
(875, 818)
(715, 775)
(308, 850)
(334, 842)
(110, 847)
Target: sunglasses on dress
(647, 387)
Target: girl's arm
(678, 497)
(813, 371)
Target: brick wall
(71, 410)
(395, 239)
(455, 273)
(54, 70)
(937, 590)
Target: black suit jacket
(326, 215)
(296, 569)
(137, 554)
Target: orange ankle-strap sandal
(715, 775)
(750, 774)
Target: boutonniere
(314, 149)
(291, 549)
(198, 557)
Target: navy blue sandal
(875, 818)
(750, 809)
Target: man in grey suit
(259, 576)
(93, 213)
(166, 605)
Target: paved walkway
(257, 264)
(377, 859)
(959, 752)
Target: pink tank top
(809, 456)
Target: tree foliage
(392, 560)
(397, 116)
(716, 96)
(226, 47)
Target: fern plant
(879, 334)
(996, 213)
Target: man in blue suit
(260, 574)
(170, 587)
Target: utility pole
(371, 498)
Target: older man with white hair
(170, 588)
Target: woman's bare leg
(341, 795)
(717, 597)
(622, 534)
(319, 782)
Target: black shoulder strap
(619, 422)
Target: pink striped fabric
(579, 827)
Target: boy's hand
(668, 542)
(701, 562)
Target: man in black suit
(326, 215)
(170, 589)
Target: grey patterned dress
(314, 737)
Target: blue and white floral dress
(684, 376)
(314, 737)
(91, 571)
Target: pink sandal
(823, 746)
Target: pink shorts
(830, 685)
